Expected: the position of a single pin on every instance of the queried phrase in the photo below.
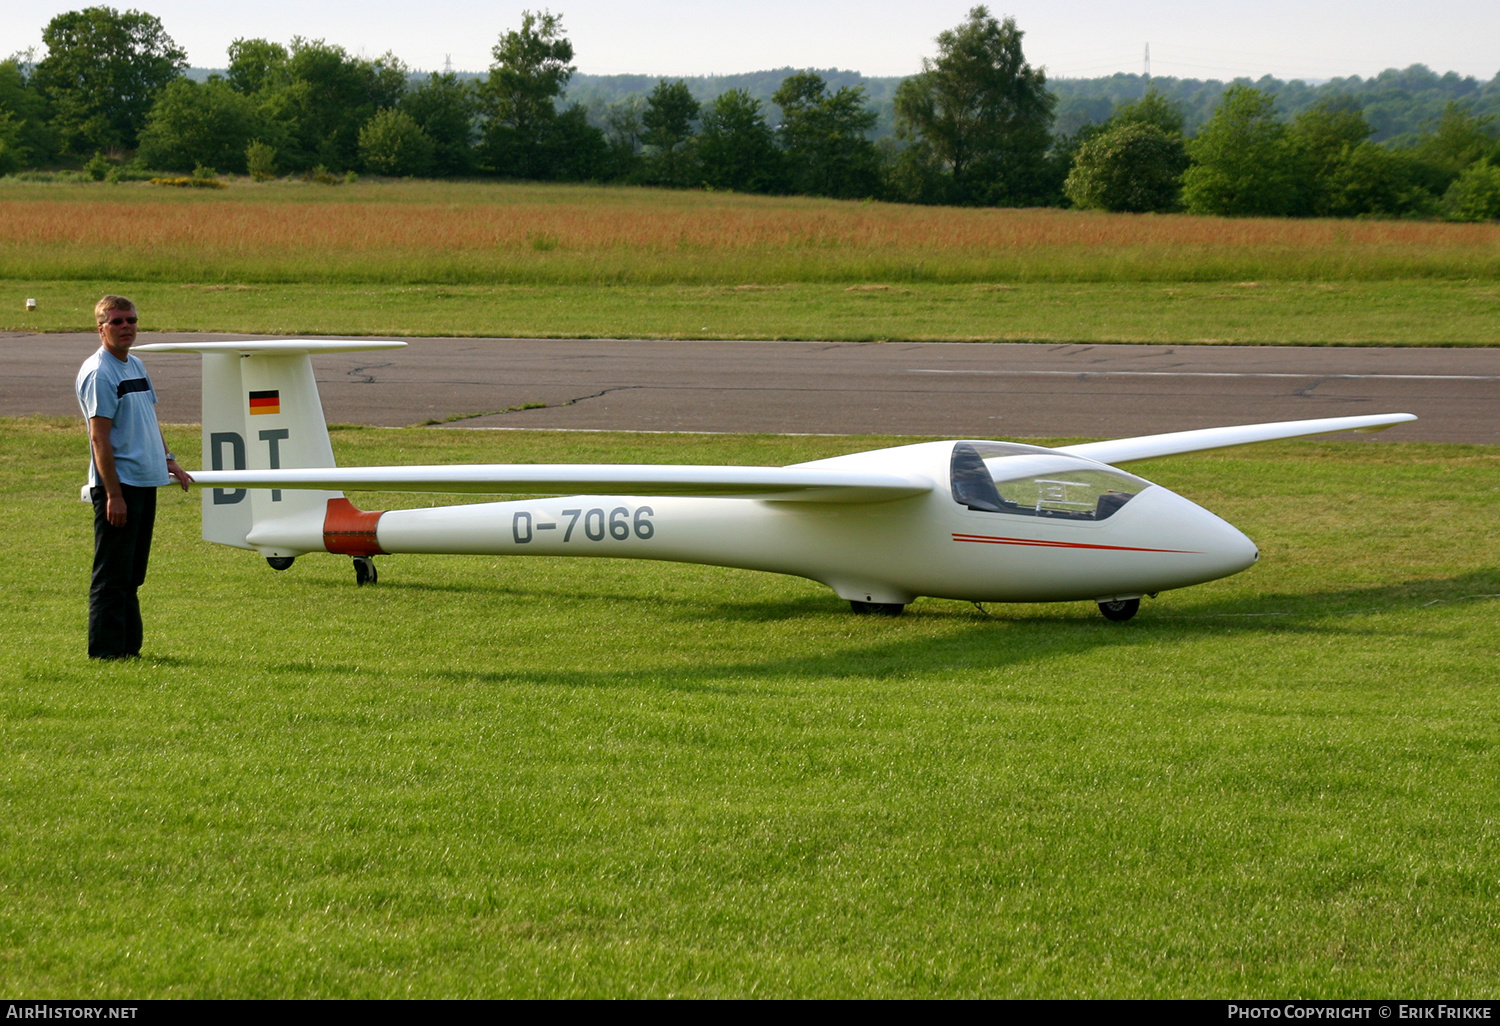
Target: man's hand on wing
(181, 476)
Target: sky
(1308, 39)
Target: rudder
(262, 411)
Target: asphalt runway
(945, 389)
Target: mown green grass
(490, 777)
(1258, 313)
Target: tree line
(977, 126)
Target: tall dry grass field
(475, 233)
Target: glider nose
(1214, 547)
(1230, 549)
(1224, 548)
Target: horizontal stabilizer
(782, 484)
(273, 347)
(1145, 447)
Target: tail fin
(261, 411)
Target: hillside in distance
(1398, 103)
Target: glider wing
(1145, 447)
(782, 484)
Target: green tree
(260, 160)
(623, 136)
(338, 93)
(1459, 138)
(736, 146)
(1242, 163)
(28, 139)
(1475, 194)
(315, 101)
(256, 65)
(668, 122)
(1154, 108)
(1322, 140)
(1372, 179)
(444, 107)
(391, 143)
(314, 97)
(192, 124)
(1134, 167)
(912, 173)
(1131, 161)
(12, 151)
(518, 99)
(980, 111)
(825, 138)
(576, 150)
(102, 73)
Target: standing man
(130, 460)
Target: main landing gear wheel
(280, 562)
(1120, 610)
(877, 608)
(364, 571)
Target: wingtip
(1395, 418)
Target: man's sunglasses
(117, 321)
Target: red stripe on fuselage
(987, 539)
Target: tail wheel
(364, 571)
(877, 608)
(280, 562)
(1120, 610)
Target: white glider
(982, 521)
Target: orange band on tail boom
(350, 531)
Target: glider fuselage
(884, 552)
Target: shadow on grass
(1397, 597)
(881, 649)
(693, 608)
(897, 649)
(1277, 611)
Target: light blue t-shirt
(121, 390)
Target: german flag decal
(265, 402)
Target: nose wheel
(364, 571)
(1120, 610)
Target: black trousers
(120, 556)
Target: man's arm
(104, 463)
(182, 476)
